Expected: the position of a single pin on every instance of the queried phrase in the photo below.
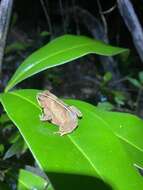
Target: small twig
(5, 13)
(92, 80)
(109, 10)
(102, 17)
(120, 80)
(47, 16)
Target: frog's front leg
(46, 116)
(77, 111)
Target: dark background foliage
(81, 79)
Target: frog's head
(41, 98)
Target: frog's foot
(44, 117)
(56, 132)
(61, 133)
(77, 111)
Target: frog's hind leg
(77, 111)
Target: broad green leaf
(29, 181)
(94, 156)
(61, 50)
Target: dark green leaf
(17, 148)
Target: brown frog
(58, 113)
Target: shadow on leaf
(62, 181)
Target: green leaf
(17, 148)
(119, 97)
(44, 33)
(135, 82)
(94, 154)
(4, 118)
(1, 149)
(14, 137)
(16, 46)
(29, 181)
(107, 77)
(61, 50)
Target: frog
(58, 112)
